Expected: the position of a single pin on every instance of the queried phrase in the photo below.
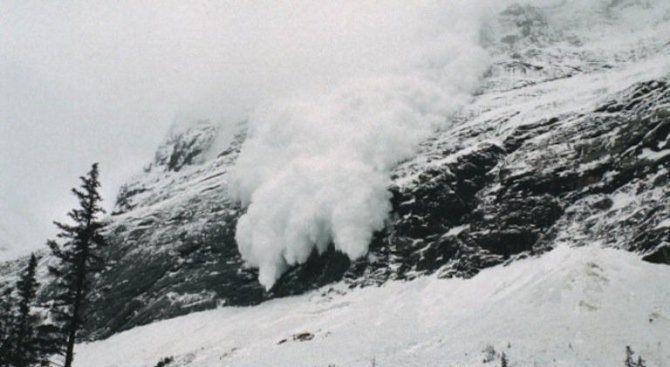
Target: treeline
(32, 334)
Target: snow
(315, 169)
(569, 307)
(653, 155)
(611, 56)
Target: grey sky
(85, 81)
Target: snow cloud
(315, 167)
(97, 80)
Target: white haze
(85, 81)
(315, 167)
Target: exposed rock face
(563, 146)
(567, 143)
(594, 177)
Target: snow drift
(570, 307)
(315, 167)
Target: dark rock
(303, 337)
(659, 255)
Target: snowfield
(569, 307)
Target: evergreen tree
(6, 323)
(78, 261)
(630, 360)
(641, 362)
(24, 335)
(503, 360)
(48, 342)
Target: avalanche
(316, 168)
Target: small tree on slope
(26, 349)
(630, 360)
(6, 322)
(78, 261)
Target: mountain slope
(566, 143)
(569, 307)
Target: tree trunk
(72, 332)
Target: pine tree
(24, 334)
(48, 342)
(629, 361)
(78, 261)
(641, 362)
(503, 360)
(6, 322)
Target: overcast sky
(86, 81)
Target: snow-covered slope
(566, 142)
(569, 307)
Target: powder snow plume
(314, 170)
